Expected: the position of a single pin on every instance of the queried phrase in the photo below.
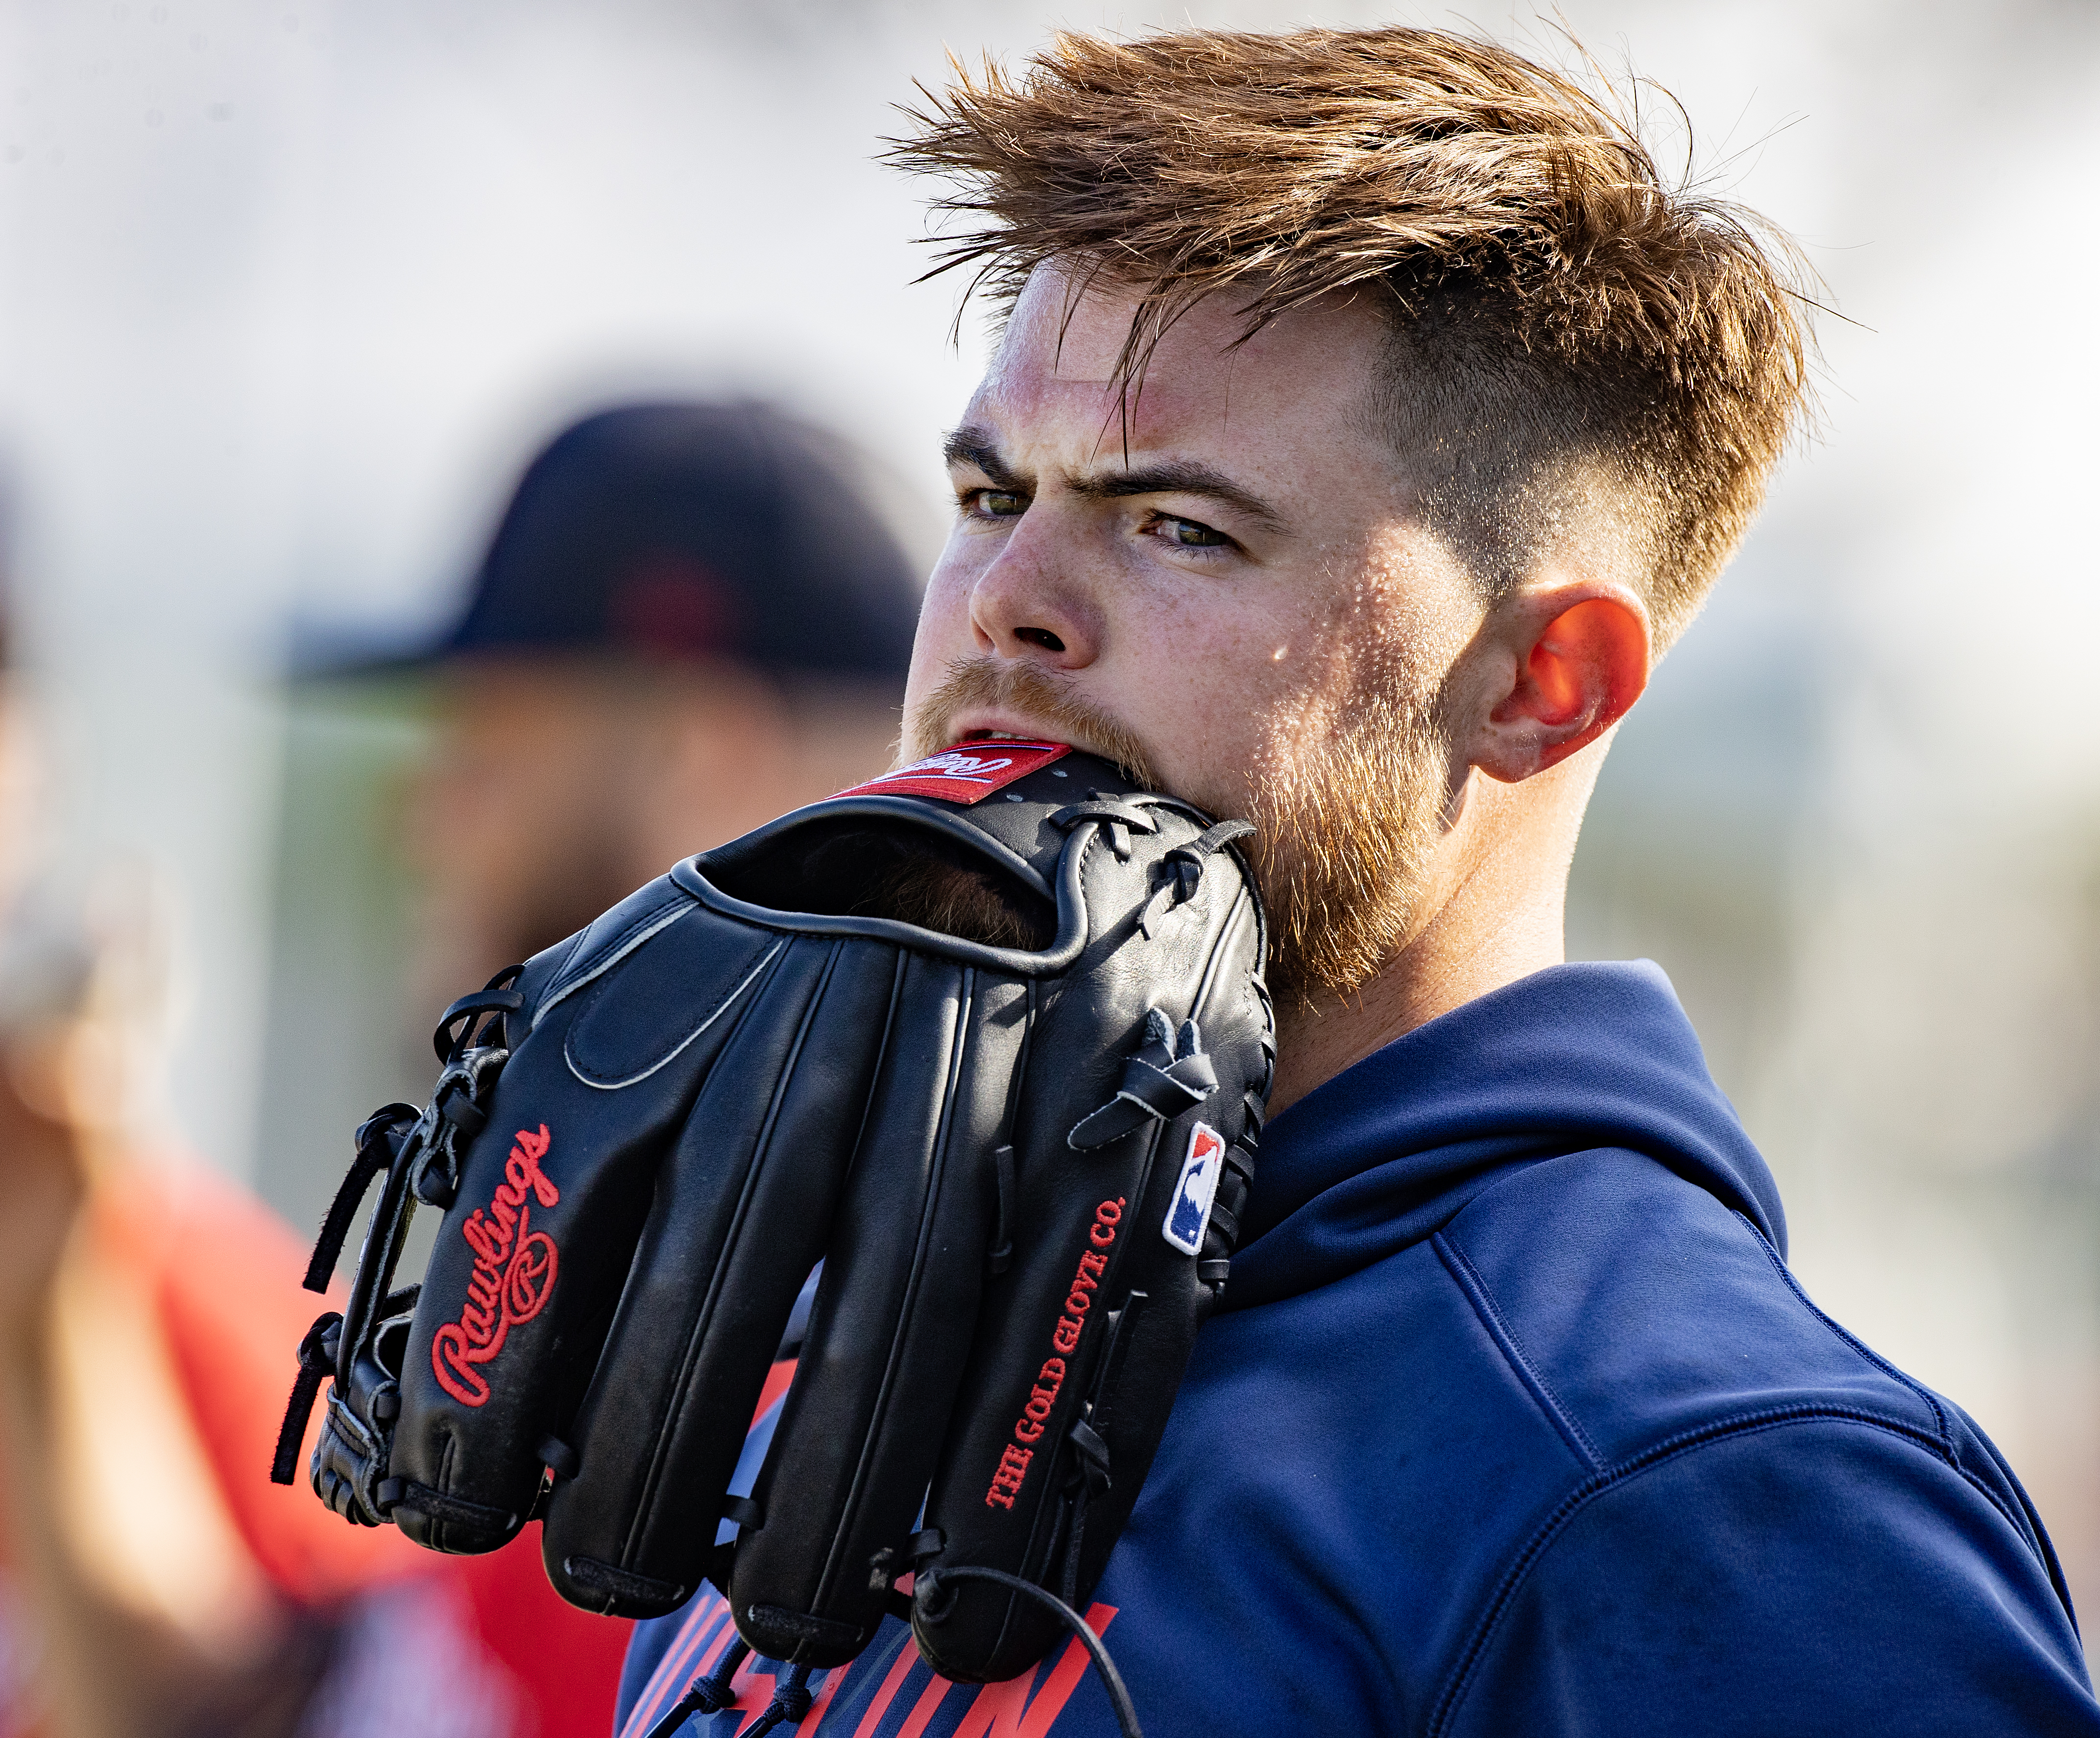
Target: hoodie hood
(1570, 1059)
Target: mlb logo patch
(968, 773)
(1190, 1214)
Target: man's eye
(1192, 535)
(995, 503)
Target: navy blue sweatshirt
(1514, 1422)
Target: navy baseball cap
(670, 531)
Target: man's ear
(1575, 672)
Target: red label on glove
(513, 1272)
(968, 773)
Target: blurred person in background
(152, 1581)
(149, 1582)
(146, 1589)
(690, 620)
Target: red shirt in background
(429, 1646)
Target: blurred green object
(339, 1038)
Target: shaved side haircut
(1579, 350)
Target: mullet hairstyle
(1578, 348)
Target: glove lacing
(428, 1139)
(716, 1694)
(709, 1695)
(791, 1701)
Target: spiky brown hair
(1571, 335)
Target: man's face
(1239, 607)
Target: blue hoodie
(1513, 1422)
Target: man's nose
(1028, 605)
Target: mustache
(1040, 695)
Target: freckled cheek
(1185, 681)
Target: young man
(1367, 419)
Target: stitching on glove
(999, 1256)
(377, 1145)
(1185, 865)
(455, 1115)
(477, 1517)
(1118, 820)
(645, 925)
(791, 1701)
(714, 1013)
(608, 1579)
(496, 998)
(1087, 1474)
(1005, 1179)
(1166, 1077)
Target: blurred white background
(290, 291)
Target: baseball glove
(987, 1038)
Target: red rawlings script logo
(1064, 1338)
(967, 774)
(513, 1272)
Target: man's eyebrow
(975, 447)
(1180, 476)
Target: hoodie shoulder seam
(1861, 1350)
(1460, 1680)
(1949, 1450)
(1468, 1280)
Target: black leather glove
(992, 1044)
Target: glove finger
(861, 1430)
(742, 1209)
(522, 1283)
(1081, 1346)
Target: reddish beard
(1344, 820)
(1344, 824)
